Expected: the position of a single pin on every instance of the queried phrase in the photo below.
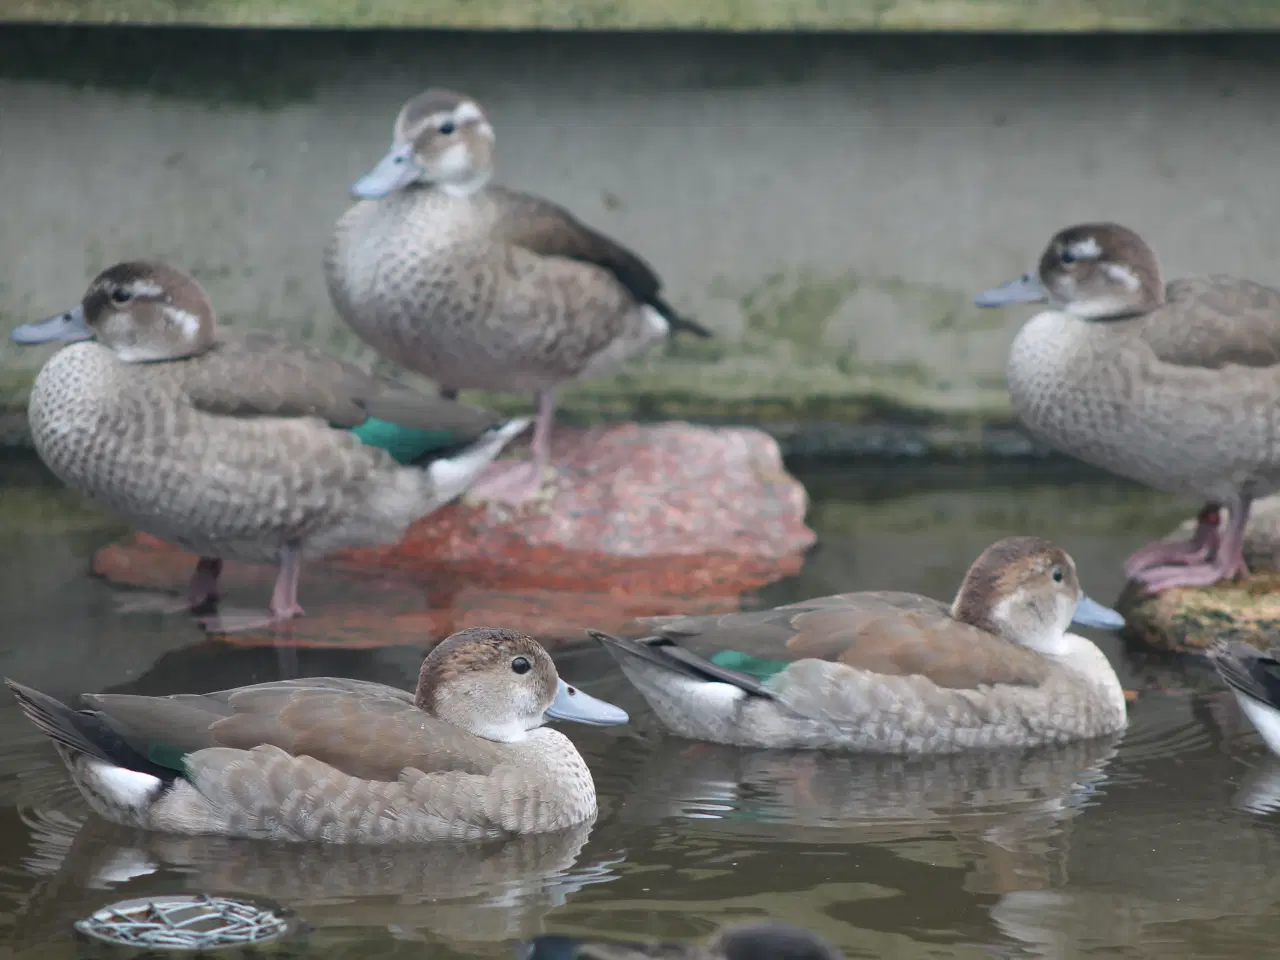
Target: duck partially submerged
(761, 940)
(893, 673)
(481, 287)
(245, 447)
(1172, 385)
(465, 757)
(1254, 677)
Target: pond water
(1156, 844)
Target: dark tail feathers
(678, 323)
(83, 731)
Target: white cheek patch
(1086, 249)
(184, 321)
(1122, 275)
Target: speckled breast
(117, 441)
(414, 276)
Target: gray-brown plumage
(243, 447)
(478, 286)
(892, 672)
(344, 761)
(1173, 385)
(760, 940)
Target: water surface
(1158, 843)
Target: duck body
(1253, 677)
(889, 673)
(431, 281)
(1180, 398)
(342, 761)
(218, 454)
(1169, 385)
(248, 448)
(478, 286)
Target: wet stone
(1192, 620)
(637, 521)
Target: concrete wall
(828, 204)
(785, 15)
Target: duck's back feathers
(888, 633)
(546, 229)
(1214, 321)
(258, 375)
(366, 730)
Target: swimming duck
(466, 757)
(892, 673)
(1254, 677)
(246, 447)
(763, 940)
(481, 287)
(1169, 385)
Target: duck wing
(1214, 321)
(549, 230)
(889, 633)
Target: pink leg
(284, 598)
(202, 594)
(515, 482)
(284, 602)
(1226, 564)
(1203, 544)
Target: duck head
(499, 684)
(1095, 271)
(143, 311)
(1026, 590)
(442, 139)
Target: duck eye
(1057, 574)
(1068, 257)
(447, 127)
(121, 295)
(521, 665)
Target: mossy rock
(1192, 620)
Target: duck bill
(1026, 289)
(1090, 613)
(572, 704)
(393, 172)
(69, 326)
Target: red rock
(640, 521)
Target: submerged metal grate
(186, 923)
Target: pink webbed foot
(284, 602)
(1204, 543)
(1226, 562)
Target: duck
(246, 447)
(464, 757)
(477, 286)
(759, 940)
(891, 672)
(1253, 676)
(1168, 384)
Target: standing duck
(893, 673)
(465, 757)
(241, 447)
(1174, 386)
(481, 287)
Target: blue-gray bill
(69, 326)
(1026, 289)
(1090, 613)
(572, 704)
(396, 170)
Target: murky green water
(1148, 846)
